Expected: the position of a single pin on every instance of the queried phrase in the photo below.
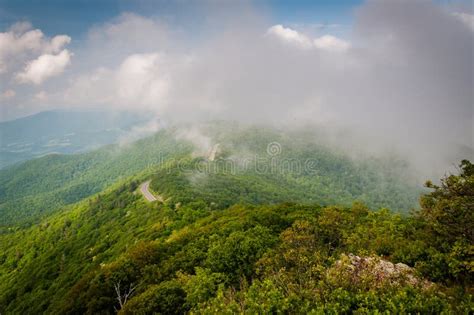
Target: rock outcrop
(374, 271)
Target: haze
(397, 79)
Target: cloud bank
(325, 42)
(401, 81)
(44, 67)
(21, 41)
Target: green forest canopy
(159, 258)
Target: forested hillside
(117, 253)
(39, 187)
(270, 222)
(301, 170)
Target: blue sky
(305, 11)
(76, 17)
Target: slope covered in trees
(300, 170)
(234, 237)
(40, 187)
(117, 253)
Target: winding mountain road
(145, 186)
(212, 154)
(144, 190)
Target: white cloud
(20, 42)
(389, 87)
(91, 88)
(44, 67)
(12, 44)
(331, 43)
(289, 35)
(140, 131)
(466, 18)
(121, 64)
(57, 43)
(20, 27)
(139, 80)
(127, 34)
(326, 42)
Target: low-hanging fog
(400, 80)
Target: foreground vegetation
(117, 253)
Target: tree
(449, 209)
(122, 297)
(449, 215)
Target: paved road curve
(146, 193)
(212, 154)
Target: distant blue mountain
(62, 132)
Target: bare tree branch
(122, 298)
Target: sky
(191, 22)
(75, 17)
(388, 75)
